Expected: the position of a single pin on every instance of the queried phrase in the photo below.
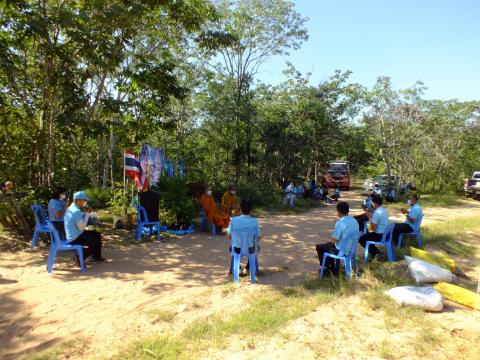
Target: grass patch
(157, 315)
(69, 349)
(268, 312)
(450, 236)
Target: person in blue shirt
(367, 205)
(340, 242)
(75, 223)
(411, 219)
(56, 210)
(241, 222)
(290, 197)
(378, 223)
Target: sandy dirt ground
(187, 276)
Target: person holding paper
(75, 223)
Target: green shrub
(100, 197)
(120, 202)
(177, 207)
(23, 200)
(260, 193)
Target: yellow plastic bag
(432, 258)
(459, 295)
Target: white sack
(424, 297)
(424, 272)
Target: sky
(435, 41)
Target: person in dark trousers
(244, 221)
(411, 221)
(367, 205)
(339, 241)
(56, 210)
(75, 222)
(378, 223)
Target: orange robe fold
(229, 203)
(212, 213)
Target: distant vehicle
(382, 181)
(472, 186)
(338, 174)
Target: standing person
(290, 197)
(212, 213)
(56, 210)
(339, 242)
(411, 221)
(378, 223)
(75, 223)
(229, 201)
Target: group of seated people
(377, 217)
(71, 222)
(293, 192)
(220, 216)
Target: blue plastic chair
(59, 245)
(348, 259)
(41, 225)
(204, 223)
(385, 241)
(142, 222)
(415, 233)
(244, 236)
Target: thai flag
(132, 167)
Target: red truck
(338, 174)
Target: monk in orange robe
(229, 202)
(213, 214)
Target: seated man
(336, 193)
(240, 222)
(229, 201)
(56, 210)
(378, 224)
(212, 213)
(343, 227)
(367, 205)
(75, 223)
(410, 223)
(299, 191)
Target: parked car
(472, 186)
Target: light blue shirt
(242, 222)
(415, 212)
(368, 202)
(54, 206)
(73, 216)
(380, 218)
(344, 226)
(290, 189)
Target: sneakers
(94, 261)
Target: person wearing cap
(75, 223)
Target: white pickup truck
(472, 186)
